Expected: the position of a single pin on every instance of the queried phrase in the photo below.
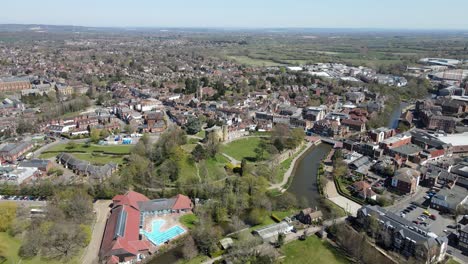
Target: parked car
(427, 213)
(433, 217)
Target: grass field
(201, 134)
(189, 220)
(9, 248)
(215, 167)
(268, 220)
(242, 148)
(312, 250)
(118, 149)
(93, 153)
(452, 261)
(253, 62)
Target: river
(393, 122)
(304, 183)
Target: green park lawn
(452, 261)
(242, 148)
(118, 149)
(312, 250)
(268, 220)
(189, 220)
(215, 167)
(92, 153)
(9, 248)
(201, 134)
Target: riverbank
(283, 185)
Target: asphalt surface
(101, 209)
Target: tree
(243, 170)
(129, 129)
(286, 201)
(199, 153)
(279, 145)
(169, 169)
(206, 235)
(212, 145)
(259, 152)
(24, 127)
(104, 133)
(75, 204)
(64, 241)
(95, 135)
(281, 239)
(189, 250)
(7, 215)
(193, 126)
(256, 216)
(71, 145)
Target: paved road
(90, 256)
(47, 146)
(288, 173)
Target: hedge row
(354, 199)
(275, 218)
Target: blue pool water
(159, 237)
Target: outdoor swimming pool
(159, 237)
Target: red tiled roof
(182, 202)
(128, 243)
(130, 198)
(361, 185)
(113, 260)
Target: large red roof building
(122, 241)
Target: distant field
(363, 49)
(253, 62)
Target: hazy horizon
(242, 14)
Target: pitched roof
(121, 236)
(130, 198)
(182, 202)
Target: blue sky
(395, 14)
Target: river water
(304, 183)
(393, 123)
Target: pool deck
(170, 220)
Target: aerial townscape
(233, 145)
